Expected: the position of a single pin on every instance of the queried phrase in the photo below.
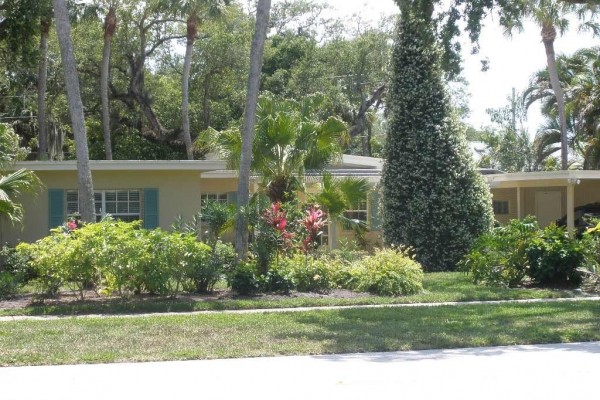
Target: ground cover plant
(225, 335)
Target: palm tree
(110, 26)
(580, 77)
(339, 195)
(84, 174)
(290, 140)
(45, 22)
(11, 186)
(194, 10)
(263, 10)
(551, 17)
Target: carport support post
(570, 207)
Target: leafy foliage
(388, 272)
(434, 200)
(520, 251)
(500, 257)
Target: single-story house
(157, 192)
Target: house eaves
(126, 165)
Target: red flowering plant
(72, 224)
(276, 218)
(313, 223)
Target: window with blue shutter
(56, 207)
(150, 208)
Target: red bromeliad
(314, 222)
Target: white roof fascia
(125, 165)
(350, 161)
(541, 176)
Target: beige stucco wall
(178, 194)
(509, 195)
(588, 191)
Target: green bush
(388, 272)
(9, 285)
(277, 280)
(244, 280)
(207, 265)
(17, 264)
(114, 256)
(554, 257)
(309, 274)
(500, 258)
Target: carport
(546, 195)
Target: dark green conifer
(434, 199)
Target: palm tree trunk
(41, 91)
(263, 10)
(548, 37)
(192, 27)
(110, 24)
(84, 174)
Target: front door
(548, 206)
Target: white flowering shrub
(434, 200)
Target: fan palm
(11, 186)
(339, 195)
(290, 139)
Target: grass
(439, 287)
(208, 336)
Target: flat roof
(125, 165)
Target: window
(358, 211)
(218, 197)
(500, 207)
(121, 204)
(324, 236)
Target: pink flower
(72, 225)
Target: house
(157, 192)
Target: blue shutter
(150, 208)
(374, 211)
(56, 207)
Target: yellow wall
(587, 192)
(178, 193)
(509, 195)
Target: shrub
(309, 274)
(204, 267)
(9, 285)
(388, 272)
(17, 264)
(244, 279)
(277, 280)
(554, 257)
(500, 258)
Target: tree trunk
(84, 174)
(110, 24)
(263, 9)
(192, 28)
(548, 37)
(41, 91)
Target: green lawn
(223, 335)
(439, 287)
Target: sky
(512, 60)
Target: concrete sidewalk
(553, 371)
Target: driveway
(553, 371)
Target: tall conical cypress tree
(434, 199)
